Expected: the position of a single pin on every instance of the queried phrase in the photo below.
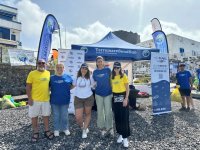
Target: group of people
(46, 93)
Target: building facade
(181, 49)
(10, 29)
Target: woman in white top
(84, 99)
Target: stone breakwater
(173, 131)
(13, 79)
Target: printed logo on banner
(85, 49)
(161, 59)
(146, 53)
(71, 53)
(160, 38)
(70, 66)
(50, 26)
(71, 57)
(22, 57)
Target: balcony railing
(8, 42)
(10, 24)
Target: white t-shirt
(83, 87)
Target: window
(5, 33)
(181, 50)
(13, 37)
(194, 53)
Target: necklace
(82, 83)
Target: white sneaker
(120, 139)
(125, 142)
(87, 130)
(56, 133)
(84, 133)
(67, 132)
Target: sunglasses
(85, 68)
(41, 63)
(116, 67)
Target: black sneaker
(188, 109)
(182, 109)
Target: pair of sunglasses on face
(117, 67)
(85, 68)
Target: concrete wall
(13, 79)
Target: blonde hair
(59, 65)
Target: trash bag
(6, 103)
(176, 96)
(196, 83)
(22, 103)
(1, 102)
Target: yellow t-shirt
(40, 85)
(118, 84)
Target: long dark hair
(87, 75)
(120, 73)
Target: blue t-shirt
(102, 77)
(60, 89)
(198, 73)
(183, 78)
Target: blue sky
(87, 21)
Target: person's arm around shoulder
(72, 84)
(125, 80)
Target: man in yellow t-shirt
(37, 89)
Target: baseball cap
(117, 65)
(84, 65)
(182, 65)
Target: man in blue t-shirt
(184, 79)
(198, 77)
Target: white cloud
(32, 18)
(169, 27)
(92, 33)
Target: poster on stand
(161, 102)
(19, 57)
(72, 60)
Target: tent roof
(112, 43)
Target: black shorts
(185, 92)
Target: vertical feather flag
(159, 37)
(49, 26)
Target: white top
(83, 87)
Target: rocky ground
(177, 130)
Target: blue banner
(160, 83)
(49, 26)
(113, 54)
(160, 41)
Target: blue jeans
(60, 117)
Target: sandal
(35, 137)
(49, 135)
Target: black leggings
(121, 117)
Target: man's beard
(41, 68)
